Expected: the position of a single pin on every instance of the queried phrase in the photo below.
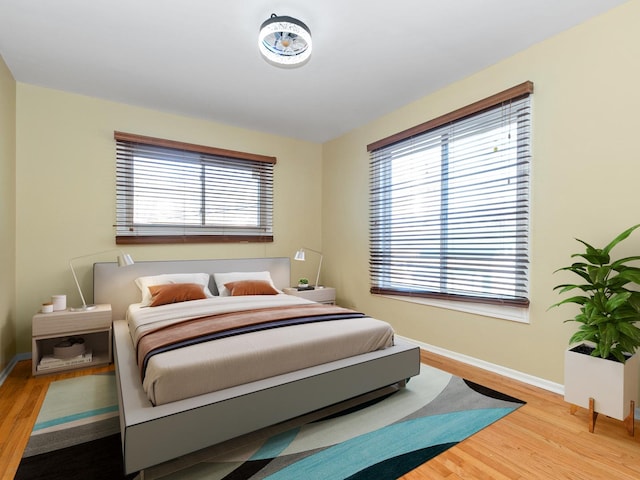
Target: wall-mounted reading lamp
(300, 255)
(124, 259)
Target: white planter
(611, 384)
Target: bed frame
(152, 435)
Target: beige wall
(65, 199)
(585, 175)
(585, 178)
(7, 215)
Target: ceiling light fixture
(284, 41)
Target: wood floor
(540, 440)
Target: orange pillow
(250, 287)
(174, 293)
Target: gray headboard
(116, 285)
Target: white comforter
(240, 359)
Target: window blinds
(171, 192)
(449, 207)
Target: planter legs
(593, 415)
(628, 422)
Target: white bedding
(235, 360)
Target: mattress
(227, 362)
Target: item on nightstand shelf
(50, 361)
(69, 348)
(320, 294)
(59, 302)
(72, 334)
(47, 308)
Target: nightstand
(320, 294)
(50, 329)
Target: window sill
(503, 312)
(173, 239)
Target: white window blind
(174, 192)
(449, 205)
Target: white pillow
(144, 283)
(222, 278)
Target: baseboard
(492, 367)
(12, 363)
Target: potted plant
(303, 283)
(601, 371)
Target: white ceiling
(199, 57)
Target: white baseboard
(12, 363)
(492, 367)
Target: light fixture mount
(285, 41)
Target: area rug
(382, 438)
(76, 410)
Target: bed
(151, 419)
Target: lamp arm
(126, 260)
(312, 250)
(302, 249)
(97, 253)
(319, 267)
(84, 304)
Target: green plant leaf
(611, 334)
(619, 238)
(630, 330)
(608, 309)
(577, 270)
(578, 300)
(630, 275)
(634, 301)
(616, 301)
(599, 301)
(598, 319)
(618, 354)
(595, 257)
(615, 265)
(582, 336)
(597, 352)
(568, 287)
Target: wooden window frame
(222, 234)
(380, 263)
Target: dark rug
(99, 459)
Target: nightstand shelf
(320, 294)
(49, 329)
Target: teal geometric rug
(75, 411)
(382, 439)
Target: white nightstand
(49, 329)
(320, 294)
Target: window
(174, 192)
(449, 205)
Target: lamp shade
(124, 260)
(285, 41)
